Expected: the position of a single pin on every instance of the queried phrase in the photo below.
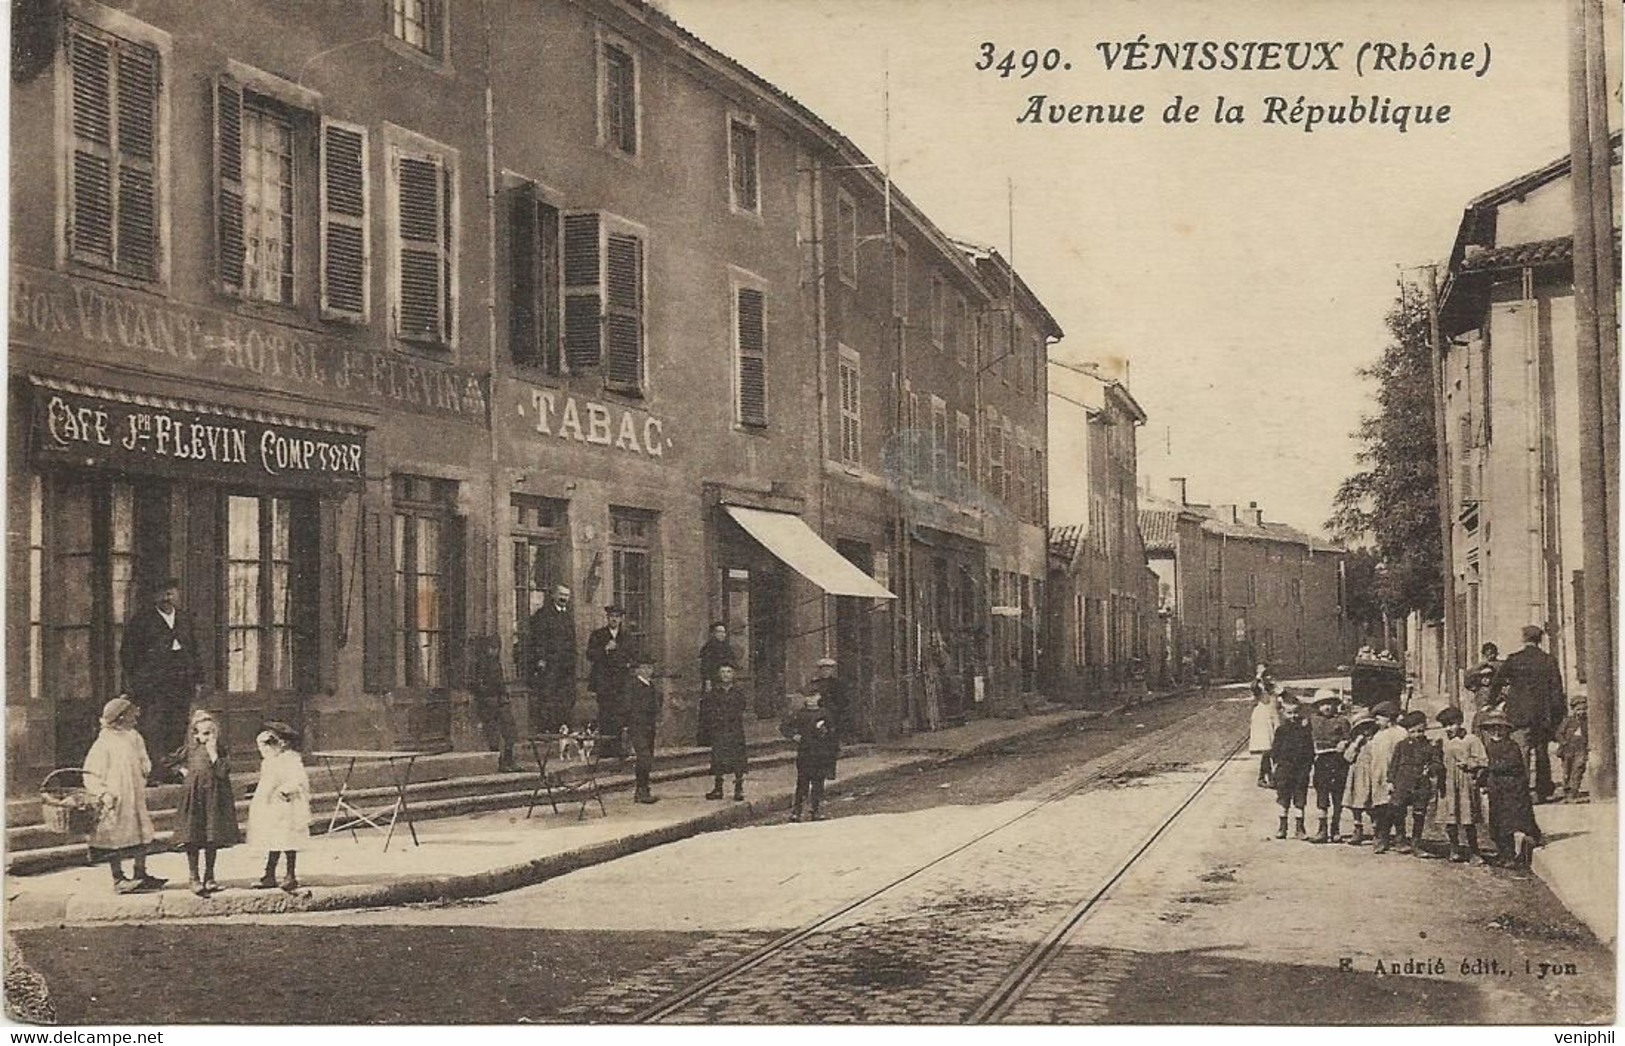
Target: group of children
(117, 768)
(1381, 766)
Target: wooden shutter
(379, 600)
(623, 319)
(90, 221)
(421, 218)
(137, 98)
(548, 318)
(523, 278)
(583, 291)
(228, 184)
(752, 331)
(346, 254)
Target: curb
(1541, 865)
(25, 910)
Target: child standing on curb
(1573, 741)
(279, 813)
(207, 817)
(1459, 808)
(116, 770)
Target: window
(540, 543)
(1017, 472)
(995, 456)
(113, 217)
(1039, 485)
(270, 547)
(962, 449)
(899, 280)
(846, 238)
(535, 318)
(939, 311)
(603, 299)
(1006, 460)
(750, 350)
(1252, 589)
(631, 544)
(744, 188)
(964, 331)
(618, 97)
(427, 554)
(346, 234)
(420, 24)
(939, 443)
(423, 184)
(851, 418)
(267, 158)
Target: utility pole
(1597, 364)
(1447, 649)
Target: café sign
(107, 429)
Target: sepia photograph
(813, 512)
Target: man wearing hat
(162, 671)
(832, 697)
(642, 702)
(611, 653)
(1528, 689)
(549, 662)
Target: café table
(347, 815)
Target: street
(1124, 872)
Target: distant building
(1512, 434)
(1247, 590)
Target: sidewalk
(490, 852)
(1579, 862)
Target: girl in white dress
(279, 813)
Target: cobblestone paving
(931, 949)
(623, 1000)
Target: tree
(1392, 501)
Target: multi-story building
(1512, 434)
(245, 353)
(1247, 590)
(1100, 608)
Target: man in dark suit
(642, 702)
(550, 663)
(832, 698)
(162, 671)
(1528, 688)
(611, 653)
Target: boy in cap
(1572, 742)
(1330, 732)
(1463, 756)
(643, 702)
(1292, 756)
(1415, 772)
(814, 731)
(1382, 746)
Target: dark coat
(1529, 688)
(207, 814)
(550, 648)
(713, 655)
(643, 704)
(1416, 768)
(160, 664)
(1506, 779)
(832, 696)
(1293, 751)
(608, 669)
(724, 711)
(817, 740)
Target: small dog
(575, 747)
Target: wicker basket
(68, 809)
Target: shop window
(270, 566)
(535, 318)
(744, 187)
(851, 414)
(420, 24)
(750, 348)
(618, 97)
(540, 543)
(604, 299)
(423, 187)
(427, 567)
(114, 192)
(631, 544)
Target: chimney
(1226, 513)
(1255, 515)
(1176, 490)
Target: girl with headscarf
(116, 769)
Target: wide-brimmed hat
(282, 732)
(1323, 695)
(1494, 717)
(1386, 708)
(826, 662)
(114, 709)
(1412, 718)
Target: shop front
(125, 490)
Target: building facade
(1512, 434)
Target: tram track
(683, 1003)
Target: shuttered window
(583, 291)
(604, 301)
(851, 415)
(113, 218)
(618, 90)
(267, 155)
(623, 313)
(424, 207)
(742, 164)
(962, 448)
(750, 325)
(345, 238)
(533, 272)
(419, 23)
